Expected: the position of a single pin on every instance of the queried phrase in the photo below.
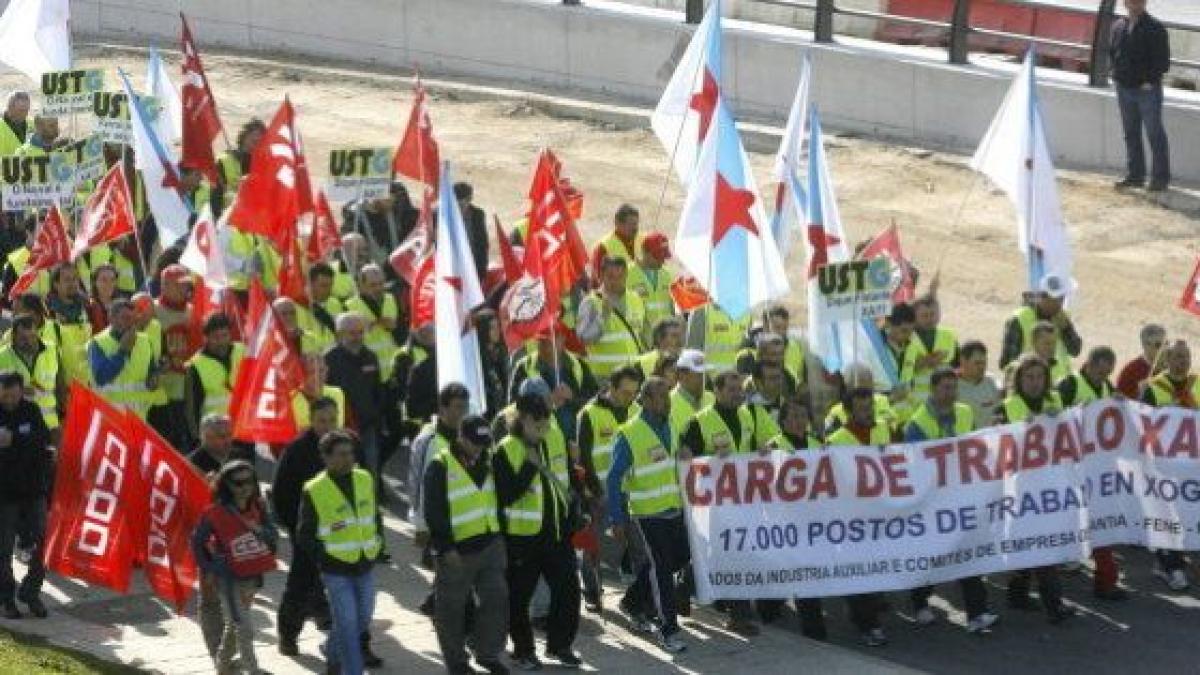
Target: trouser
(369, 442)
(303, 595)
(1049, 587)
(212, 624)
(664, 542)
(864, 611)
(973, 592)
(1108, 573)
(812, 618)
(481, 573)
(352, 603)
(29, 518)
(1169, 561)
(1142, 108)
(237, 633)
(557, 564)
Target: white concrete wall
(627, 52)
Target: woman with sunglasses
(234, 544)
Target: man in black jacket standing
(1141, 55)
(303, 594)
(25, 464)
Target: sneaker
(494, 667)
(10, 611)
(875, 638)
(1129, 182)
(672, 643)
(36, 607)
(926, 617)
(288, 647)
(742, 627)
(1111, 594)
(529, 662)
(982, 623)
(1176, 580)
(565, 657)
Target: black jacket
(1141, 55)
(25, 464)
(358, 376)
(299, 463)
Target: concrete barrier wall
(628, 52)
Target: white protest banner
(111, 110)
(37, 182)
(359, 173)
(88, 157)
(844, 520)
(68, 91)
(857, 289)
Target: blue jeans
(1142, 108)
(352, 602)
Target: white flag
(687, 109)
(35, 37)
(160, 173)
(790, 166)
(203, 254)
(169, 123)
(1015, 155)
(456, 293)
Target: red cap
(177, 273)
(657, 245)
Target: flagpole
(137, 236)
(554, 351)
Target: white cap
(1055, 286)
(691, 360)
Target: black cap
(476, 431)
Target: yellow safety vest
(880, 435)
(652, 484)
(322, 337)
(1163, 392)
(617, 346)
(19, 258)
(781, 442)
(239, 249)
(1027, 318)
(302, 407)
(718, 437)
(10, 143)
(1085, 394)
(128, 388)
(523, 518)
(945, 341)
(473, 509)
(722, 338)
(682, 410)
(126, 271)
(615, 248)
(378, 338)
(72, 340)
(347, 531)
(216, 380)
(927, 422)
(883, 413)
(230, 169)
(344, 286)
(655, 294)
(41, 382)
(1016, 410)
(604, 427)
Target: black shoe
(10, 611)
(427, 606)
(565, 657)
(370, 659)
(1060, 614)
(288, 647)
(1129, 182)
(1111, 594)
(36, 607)
(1157, 186)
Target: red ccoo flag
(886, 244)
(324, 238)
(292, 283)
(563, 251)
(201, 124)
(270, 199)
(529, 308)
(269, 376)
(418, 157)
(50, 247)
(1190, 301)
(411, 254)
(108, 213)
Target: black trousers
(665, 541)
(528, 563)
(864, 611)
(28, 517)
(1170, 560)
(812, 618)
(973, 592)
(1049, 587)
(303, 594)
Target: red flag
(98, 491)
(529, 308)
(687, 293)
(270, 374)
(887, 244)
(512, 264)
(421, 295)
(50, 247)
(257, 306)
(292, 283)
(201, 124)
(108, 213)
(550, 218)
(269, 201)
(324, 238)
(1191, 293)
(417, 157)
(176, 496)
(410, 255)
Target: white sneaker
(672, 643)
(926, 617)
(982, 623)
(1175, 580)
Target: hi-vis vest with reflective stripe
(655, 294)
(944, 341)
(926, 421)
(472, 508)
(1027, 318)
(523, 518)
(42, 381)
(781, 442)
(722, 339)
(347, 531)
(617, 346)
(378, 338)
(651, 484)
(604, 427)
(682, 410)
(128, 388)
(717, 435)
(302, 407)
(1085, 394)
(72, 340)
(1016, 410)
(216, 380)
(880, 435)
(1163, 391)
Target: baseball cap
(656, 244)
(1056, 286)
(535, 386)
(476, 431)
(176, 272)
(691, 360)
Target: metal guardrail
(960, 30)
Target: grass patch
(25, 655)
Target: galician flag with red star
(685, 113)
(724, 239)
(456, 293)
